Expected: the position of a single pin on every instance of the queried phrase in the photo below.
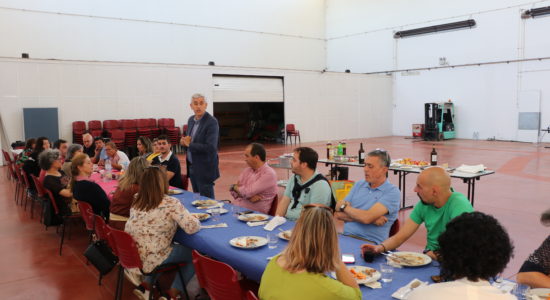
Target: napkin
(404, 291)
(471, 169)
(276, 221)
(214, 226)
(374, 285)
(252, 224)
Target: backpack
(297, 190)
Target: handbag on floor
(101, 256)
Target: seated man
(305, 186)
(473, 249)
(535, 271)
(438, 205)
(119, 160)
(169, 160)
(89, 147)
(62, 146)
(371, 207)
(257, 184)
(100, 155)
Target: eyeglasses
(307, 206)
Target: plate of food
(208, 202)
(201, 216)
(538, 294)
(410, 259)
(285, 235)
(175, 192)
(222, 211)
(248, 242)
(253, 217)
(362, 274)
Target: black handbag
(101, 256)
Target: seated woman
(86, 190)
(72, 151)
(125, 193)
(467, 261)
(144, 146)
(299, 272)
(535, 271)
(30, 165)
(55, 180)
(156, 151)
(29, 147)
(154, 218)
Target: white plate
(372, 278)
(283, 233)
(222, 211)
(536, 294)
(208, 202)
(201, 216)
(253, 217)
(175, 192)
(248, 242)
(419, 258)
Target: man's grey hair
(47, 158)
(197, 96)
(383, 155)
(72, 150)
(87, 134)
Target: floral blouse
(154, 230)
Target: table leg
(404, 190)
(473, 189)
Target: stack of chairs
(167, 126)
(109, 126)
(94, 128)
(143, 128)
(79, 128)
(155, 130)
(130, 133)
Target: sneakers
(141, 293)
(133, 277)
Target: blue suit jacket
(204, 148)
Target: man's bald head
(433, 186)
(436, 176)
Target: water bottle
(108, 168)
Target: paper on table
(404, 291)
(214, 226)
(252, 224)
(276, 221)
(374, 285)
(471, 169)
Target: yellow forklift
(439, 121)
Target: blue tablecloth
(251, 263)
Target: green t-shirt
(436, 219)
(319, 192)
(277, 283)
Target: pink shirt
(252, 182)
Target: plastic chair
(155, 131)
(395, 227)
(29, 192)
(219, 279)
(341, 188)
(117, 137)
(86, 211)
(143, 128)
(292, 132)
(94, 127)
(128, 255)
(7, 158)
(102, 234)
(273, 208)
(251, 296)
(19, 187)
(41, 195)
(66, 219)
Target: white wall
(324, 106)
(360, 38)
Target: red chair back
(129, 124)
(217, 278)
(142, 123)
(111, 124)
(152, 123)
(52, 200)
(86, 212)
(184, 130)
(126, 249)
(94, 125)
(251, 296)
(273, 208)
(25, 178)
(117, 135)
(40, 190)
(7, 156)
(394, 227)
(79, 126)
(290, 128)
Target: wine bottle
(433, 155)
(361, 154)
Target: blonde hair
(132, 175)
(313, 244)
(76, 162)
(153, 185)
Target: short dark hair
(98, 138)
(162, 137)
(257, 149)
(474, 245)
(383, 155)
(30, 142)
(308, 155)
(58, 143)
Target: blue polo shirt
(362, 196)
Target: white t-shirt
(122, 159)
(461, 289)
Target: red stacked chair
(79, 128)
(184, 130)
(94, 128)
(155, 130)
(110, 125)
(167, 126)
(130, 132)
(117, 137)
(143, 128)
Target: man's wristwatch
(343, 206)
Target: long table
(468, 178)
(252, 262)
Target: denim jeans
(179, 253)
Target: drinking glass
(196, 196)
(215, 212)
(272, 240)
(387, 272)
(235, 210)
(521, 291)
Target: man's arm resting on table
(408, 229)
(282, 206)
(366, 216)
(534, 279)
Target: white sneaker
(134, 278)
(141, 294)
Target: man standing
(305, 186)
(89, 147)
(438, 206)
(371, 207)
(201, 145)
(257, 184)
(169, 160)
(119, 159)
